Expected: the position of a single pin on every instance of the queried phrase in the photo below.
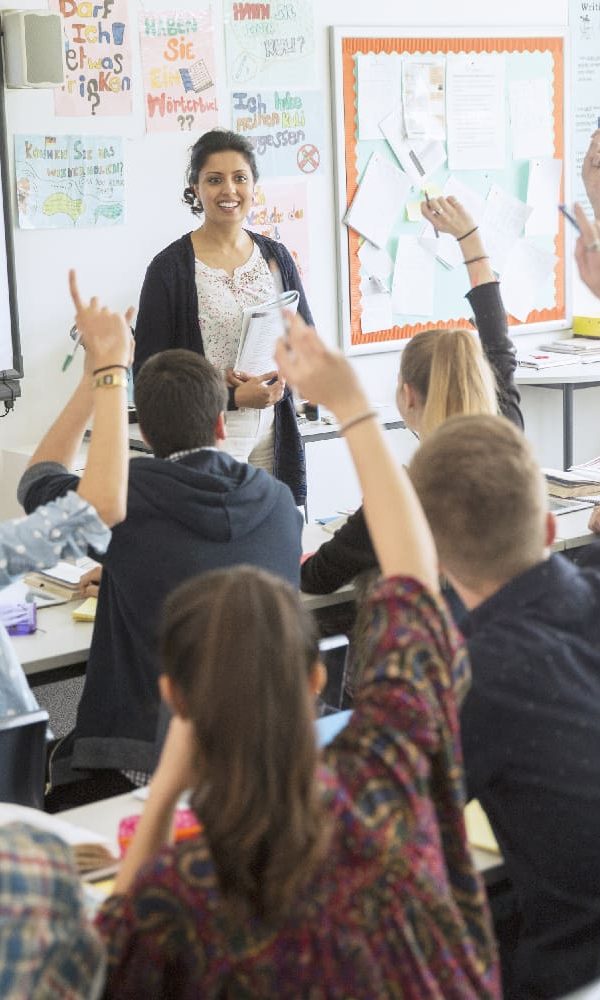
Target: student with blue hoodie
(190, 508)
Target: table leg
(567, 391)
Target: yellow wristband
(110, 381)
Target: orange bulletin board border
(436, 45)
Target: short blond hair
(484, 496)
(451, 374)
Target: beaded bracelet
(108, 368)
(474, 260)
(464, 236)
(358, 419)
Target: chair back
(23, 758)
(334, 654)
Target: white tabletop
(58, 642)
(562, 374)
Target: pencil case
(185, 826)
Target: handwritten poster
(179, 71)
(97, 56)
(269, 44)
(284, 126)
(69, 181)
(280, 212)
(584, 23)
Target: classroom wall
(111, 261)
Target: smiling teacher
(196, 289)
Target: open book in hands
(262, 325)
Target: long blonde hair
(451, 374)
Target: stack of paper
(262, 325)
(571, 484)
(575, 345)
(542, 359)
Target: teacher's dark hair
(218, 140)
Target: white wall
(111, 261)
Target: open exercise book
(262, 325)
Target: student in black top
(190, 508)
(531, 720)
(442, 372)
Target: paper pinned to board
(412, 288)
(376, 262)
(379, 200)
(419, 159)
(504, 221)
(543, 196)
(527, 270)
(424, 97)
(531, 121)
(475, 110)
(262, 325)
(378, 89)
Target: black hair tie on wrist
(108, 368)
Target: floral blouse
(396, 909)
(65, 527)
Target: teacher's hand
(259, 391)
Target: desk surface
(561, 375)
(104, 817)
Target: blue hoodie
(205, 511)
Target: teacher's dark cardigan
(168, 317)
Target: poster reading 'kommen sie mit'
(97, 57)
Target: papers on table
(71, 834)
(378, 90)
(379, 199)
(531, 122)
(540, 360)
(543, 196)
(412, 288)
(261, 328)
(527, 270)
(475, 110)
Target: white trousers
(250, 436)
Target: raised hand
(105, 335)
(590, 172)
(448, 215)
(587, 251)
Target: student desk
(567, 379)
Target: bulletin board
(527, 54)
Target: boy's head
(485, 499)
(179, 397)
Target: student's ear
(171, 695)
(550, 529)
(317, 679)
(220, 428)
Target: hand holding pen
(105, 335)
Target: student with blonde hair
(335, 877)
(442, 373)
(530, 722)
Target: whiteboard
(11, 364)
(532, 52)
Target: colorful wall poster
(269, 44)
(97, 56)
(284, 126)
(69, 181)
(280, 212)
(179, 71)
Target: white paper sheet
(531, 122)
(527, 270)
(262, 325)
(475, 111)
(71, 834)
(376, 312)
(378, 90)
(503, 222)
(375, 262)
(543, 196)
(423, 98)
(379, 199)
(419, 159)
(412, 287)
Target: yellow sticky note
(413, 208)
(479, 831)
(86, 612)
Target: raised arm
(484, 298)
(587, 251)
(590, 173)
(107, 341)
(398, 527)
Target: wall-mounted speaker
(34, 48)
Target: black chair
(334, 654)
(23, 758)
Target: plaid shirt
(48, 950)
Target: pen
(571, 218)
(437, 235)
(71, 353)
